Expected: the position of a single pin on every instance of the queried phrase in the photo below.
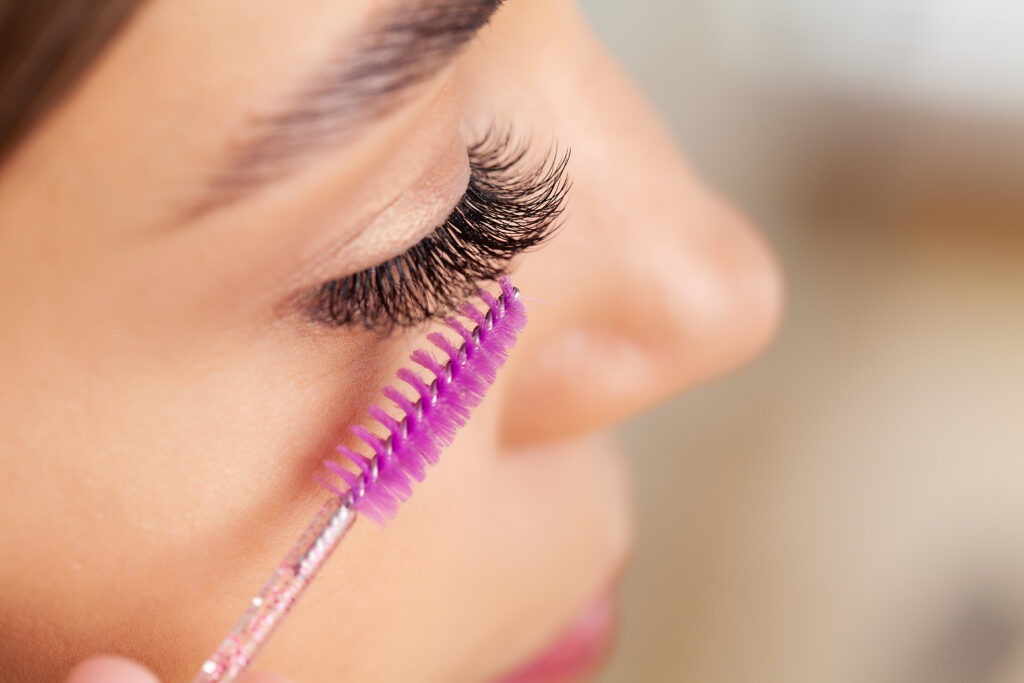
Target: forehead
(234, 45)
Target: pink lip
(580, 649)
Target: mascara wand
(386, 478)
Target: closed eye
(510, 206)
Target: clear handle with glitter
(274, 602)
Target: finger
(107, 669)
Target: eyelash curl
(511, 205)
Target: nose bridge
(653, 284)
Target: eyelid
(413, 215)
(404, 219)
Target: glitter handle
(273, 603)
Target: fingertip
(108, 669)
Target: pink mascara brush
(385, 478)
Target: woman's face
(168, 396)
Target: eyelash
(510, 206)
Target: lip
(581, 648)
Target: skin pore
(167, 400)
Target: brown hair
(45, 47)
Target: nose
(653, 284)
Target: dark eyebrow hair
(371, 74)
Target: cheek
(157, 489)
(494, 551)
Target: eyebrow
(370, 74)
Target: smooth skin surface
(165, 405)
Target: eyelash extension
(510, 206)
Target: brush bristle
(457, 383)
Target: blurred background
(851, 506)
